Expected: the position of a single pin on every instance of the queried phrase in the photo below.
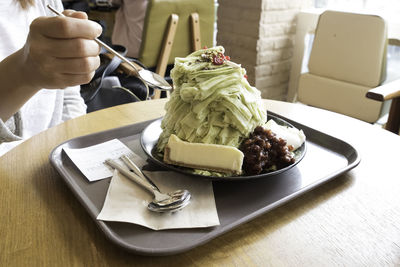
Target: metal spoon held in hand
(151, 78)
(170, 202)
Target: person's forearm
(15, 89)
(59, 52)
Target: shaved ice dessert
(212, 101)
(215, 123)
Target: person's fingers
(66, 27)
(77, 79)
(61, 52)
(75, 14)
(75, 65)
(69, 48)
(60, 81)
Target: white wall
(259, 35)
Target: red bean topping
(218, 59)
(263, 150)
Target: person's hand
(60, 51)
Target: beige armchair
(347, 59)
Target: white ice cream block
(293, 136)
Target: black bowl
(151, 133)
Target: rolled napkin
(127, 202)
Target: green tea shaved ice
(212, 101)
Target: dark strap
(104, 72)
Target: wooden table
(353, 220)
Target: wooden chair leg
(393, 123)
(166, 49)
(195, 26)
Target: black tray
(237, 201)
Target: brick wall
(259, 35)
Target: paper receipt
(90, 160)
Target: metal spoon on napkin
(150, 78)
(162, 202)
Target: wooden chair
(175, 29)
(386, 93)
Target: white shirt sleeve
(10, 132)
(73, 105)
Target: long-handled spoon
(162, 202)
(133, 167)
(151, 78)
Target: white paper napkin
(90, 160)
(127, 202)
